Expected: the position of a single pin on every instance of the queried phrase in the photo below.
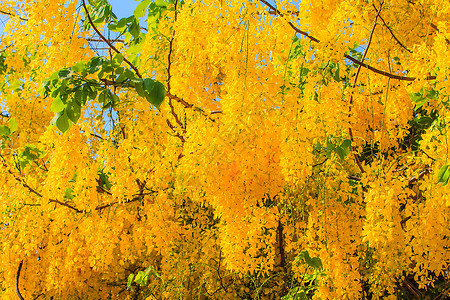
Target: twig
(436, 28)
(169, 75)
(108, 42)
(66, 205)
(218, 272)
(276, 11)
(140, 196)
(392, 33)
(414, 179)
(356, 178)
(168, 94)
(393, 76)
(387, 74)
(12, 15)
(100, 40)
(17, 281)
(321, 163)
(280, 245)
(355, 80)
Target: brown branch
(280, 245)
(66, 205)
(276, 11)
(411, 288)
(218, 272)
(17, 281)
(100, 40)
(356, 178)
(355, 80)
(183, 140)
(108, 42)
(414, 179)
(404, 167)
(393, 76)
(392, 33)
(12, 15)
(169, 75)
(138, 197)
(188, 105)
(436, 28)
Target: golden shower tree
(225, 150)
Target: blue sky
(123, 8)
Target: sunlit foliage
(225, 150)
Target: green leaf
(340, 152)
(94, 64)
(117, 59)
(16, 85)
(63, 122)
(130, 280)
(68, 195)
(90, 91)
(134, 28)
(141, 278)
(148, 84)
(138, 85)
(346, 144)
(139, 12)
(162, 3)
(157, 94)
(65, 74)
(4, 130)
(444, 174)
(57, 105)
(13, 124)
(73, 110)
(105, 96)
(418, 99)
(316, 263)
(78, 67)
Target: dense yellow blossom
(301, 148)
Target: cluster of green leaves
(71, 88)
(142, 278)
(103, 180)
(444, 174)
(7, 130)
(334, 145)
(155, 10)
(3, 66)
(332, 71)
(308, 284)
(101, 13)
(30, 155)
(423, 97)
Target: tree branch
(355, 80)
(436, 28)
(393, 76)
(12, 15)
(276, 11)
(392, 33)
(108, 42)
(17, 281)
